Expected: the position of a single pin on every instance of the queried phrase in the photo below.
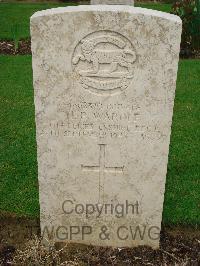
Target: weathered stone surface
(104, 84)
(112, 2)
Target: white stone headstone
(104, 85)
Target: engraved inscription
(104, 61)
(102, 169)
(97, 120)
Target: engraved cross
(102, 169)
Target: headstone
(104, 85)
(112, 2)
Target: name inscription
(100, 120)
(95, 119)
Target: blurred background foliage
(189, 12)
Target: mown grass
(156, 6)
(18, 166)
(18, 170)
(182, 198)
(15, 17)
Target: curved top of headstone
(108, 8)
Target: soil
(178, 246)
(24, 47)
(8, 47)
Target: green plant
(189, 12)
(15, 31)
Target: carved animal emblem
(103, 62)
(114, 57)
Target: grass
(156, 6)
(182, 199)
(18, 167)
(18, 15)
(14, 17)
(18, 171)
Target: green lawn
(157, 6)
(18, 167)
(182, 199)
(14, 17)
(18, 172)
